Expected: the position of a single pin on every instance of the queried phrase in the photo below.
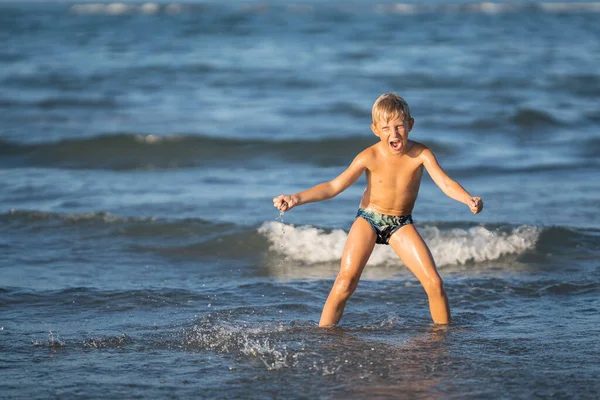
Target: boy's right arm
(325, 190)
(448, 185)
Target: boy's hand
(476, 205)
(285, 202)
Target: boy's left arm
(448, 185)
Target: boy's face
(393, 133)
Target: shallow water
(140, 148)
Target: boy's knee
(435, 287)
(345, 285)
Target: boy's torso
(393, 181)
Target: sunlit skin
(393, 167)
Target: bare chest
(395, 176)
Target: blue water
(140, 148)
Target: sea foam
(311, 245)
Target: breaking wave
(311, 245)
(118, 8)
(133, 151)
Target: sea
(141, 145)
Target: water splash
(223, 337)
(280, 217)
(53, 341)
(282, 245)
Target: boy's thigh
(412, 250)
(359, 246)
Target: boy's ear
(411, 122)
(374, 129)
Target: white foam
(117, 8)
(394, 8)
(150, 139)
(487, 7)
(153, 139)
(304, 243)
(149, 8)
(491, 8)
(123, 8)
(310, 245)
(99, 8)
(399, 8)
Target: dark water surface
(140, 148)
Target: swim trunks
(384, 225)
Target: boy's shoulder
(422, 154)
(417, 148)
(368, 152)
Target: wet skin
(393, 167)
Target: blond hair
(390, 106)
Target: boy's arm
(325, 190)
(449, 186)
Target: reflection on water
(377, 365)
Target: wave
(583, 85)
(477, 244)
(86, 299)
(502, 170)
(491, 8)
(304, 244)
(133, 151)
(399, 8)
(343, 108)
(590, 148)
(308, 252)
(123, 8)
(523, 118)
(135, 228)
(96, 216)
(287, 248)
(529, 118)
(52, 103)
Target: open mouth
(396, 145)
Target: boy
(393, 167)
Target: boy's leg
(415, 254)
(358, 248)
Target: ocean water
(140, 148)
